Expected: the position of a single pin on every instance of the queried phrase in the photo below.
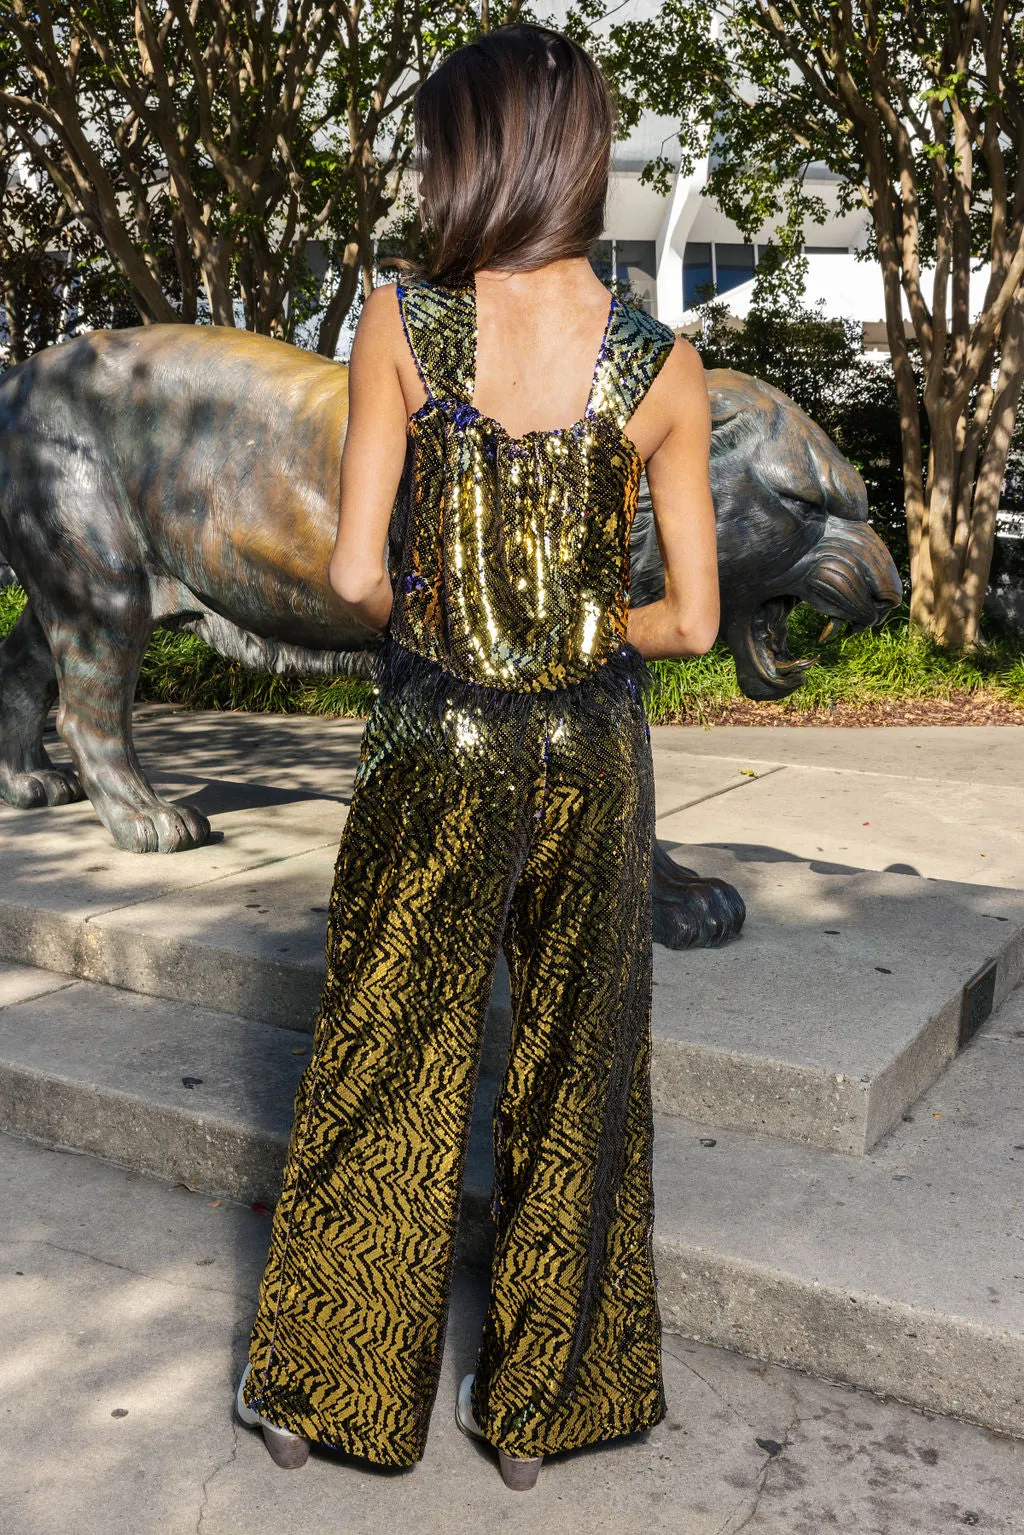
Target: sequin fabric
(486, 815)
(510, 555)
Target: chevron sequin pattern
(504, 799)
(465, 833)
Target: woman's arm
(678, 424)
(371, 463)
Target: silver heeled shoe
(519, 1475)
(287, 1450)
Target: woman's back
(509, 548)
(538, 336)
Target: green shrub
(182, 669)
(12, 600)
(892, 662)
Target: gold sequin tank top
(509, 556)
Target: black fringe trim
(623, 675)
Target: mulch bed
(960, 708)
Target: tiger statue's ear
(723, 410)
(730, 393)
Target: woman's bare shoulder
(378, 334)
(379, 314)
(382, 346)
(685, 362)
(676, 402)
(681, 388)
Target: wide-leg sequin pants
(467, 833)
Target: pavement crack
(713, 1389)
(126, 1268)
(229, 1460)
(728, 788)
(728, 1528)
(765, 1471)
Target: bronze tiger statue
(188, 477)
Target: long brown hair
(514, 136)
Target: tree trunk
(951, 511)
(340, 302)
(916, 506)
(186, 269)
(956, 619)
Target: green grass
(181, 669)
(12, 600)
(890, 663)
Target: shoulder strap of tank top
(439, 327)
(635, 349)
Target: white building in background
(667, 247)
(670, 245)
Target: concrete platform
(900, 1271)
(125, 1309)
(837, 1006)
(162, 1086)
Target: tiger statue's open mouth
(791, 515)
(848, 577)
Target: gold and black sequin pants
(468, 832)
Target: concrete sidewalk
(125, 1306)
(939, 801)
(838, 1185)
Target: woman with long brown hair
(502, 409)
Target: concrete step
(837, 1006)
(900, 1271)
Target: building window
(630, 263)
(602, 259)
(710, 268)
(635, 255)
(698, 276)
(734, 264)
